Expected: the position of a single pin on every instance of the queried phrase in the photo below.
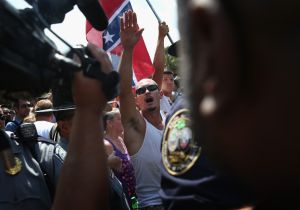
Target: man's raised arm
(159, 56)
(131, 118)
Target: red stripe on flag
(142, 64)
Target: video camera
(30, 61)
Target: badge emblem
(15, 168)
(179, 150)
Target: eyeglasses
(142, 90)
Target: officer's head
(148, 95)
(64, 119)
(243, 66)
(63, 108)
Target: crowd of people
(229, 141)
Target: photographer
(29, 164)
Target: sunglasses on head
(142, 90)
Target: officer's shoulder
(179, 104)
(45, 140)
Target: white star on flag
(108, 37)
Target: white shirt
(43, 128)
(165, 104)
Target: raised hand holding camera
(95, 64)
(31, 57)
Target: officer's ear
(64, 127)
(213, 68)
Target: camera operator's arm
(83, 181)
(159, 56)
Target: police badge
(179, 150)
(13, 168)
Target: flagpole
(159, 20)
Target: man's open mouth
(148, 100)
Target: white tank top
(147, 167)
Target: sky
(72, 29)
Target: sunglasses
(142, 90)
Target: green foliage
(171, 62)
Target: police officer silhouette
(189, 180)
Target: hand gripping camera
(30, 61)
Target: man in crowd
(8, 113)
(142, 128)
(44, 117)
(163, 77)
(22, 109)
(168, 86)
(241, 58)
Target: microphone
(93, 11)
(11, 163)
